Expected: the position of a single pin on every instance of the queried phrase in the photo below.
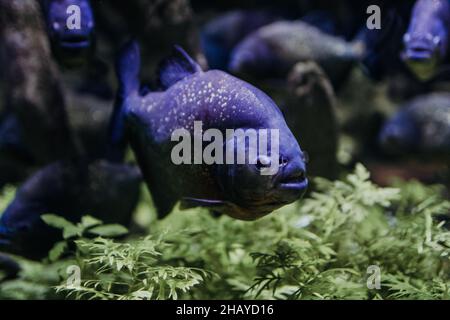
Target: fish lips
(419, 55)
(285, 191)
(292, 178)
(422, 57)
(291, 190)
(75, 41)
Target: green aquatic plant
(128, 271)
(348, 239)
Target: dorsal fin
(175, 68)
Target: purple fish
(422, 125)
(70, 25)
(274, 49)
(70, 189)
(427, 39)
(220, 101)
(221, 35)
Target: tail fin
(128, 66)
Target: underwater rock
(33, 89)
(89, 118)
(221, 102)
(310, 112)
(105, 190)
(308, 102)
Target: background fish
(222, 102)
(420, 126)
(107, 191)
(274, 49)
(71, 46)
(428, 37)
(220, 35)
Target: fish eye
(407, 38)
(263, 162)
(436, 40)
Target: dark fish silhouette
(222, 102)
(428, 38)
(273, 50)
(222, 34)
(71, 26)
(105, 190)
(421, 126)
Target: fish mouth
(295, 182)
(419, 47)
(75, 44)
(79, 41)
(418, 54)
(422, 63)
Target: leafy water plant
(323, 247)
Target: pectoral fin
(215, 205)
